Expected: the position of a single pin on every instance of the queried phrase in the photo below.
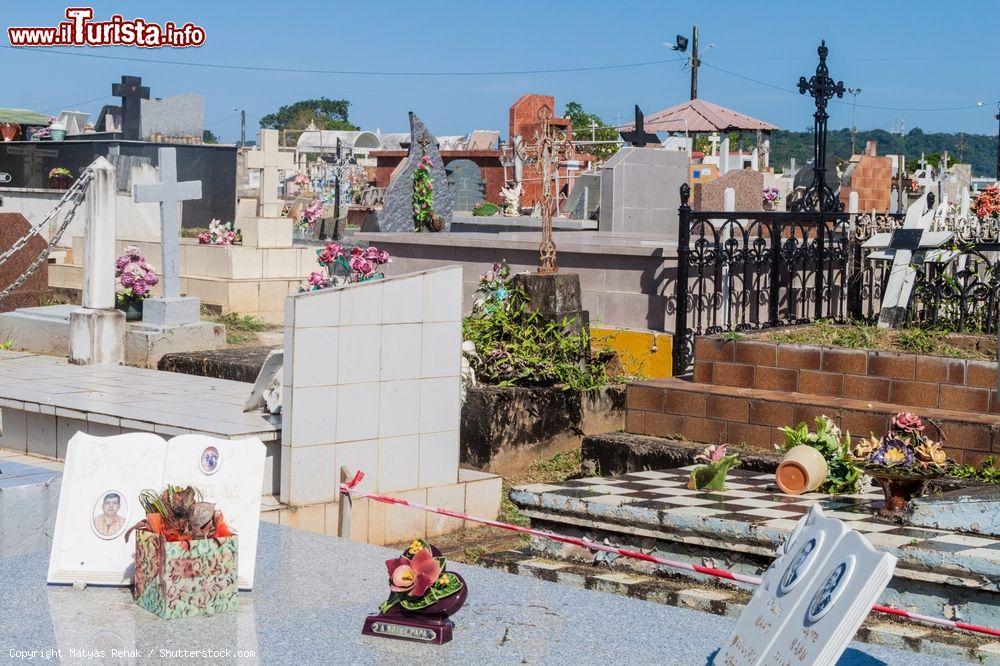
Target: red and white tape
(350, 487)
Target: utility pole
(243, 126)
(694, 62)
(854, 107)
(998, 140)
(336, 194)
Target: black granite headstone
(465, 179)
(132, 93)
(397, 211)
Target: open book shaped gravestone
(89, 545)
(813, 598)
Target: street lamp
(854, 106)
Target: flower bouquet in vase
(186, 557)
(134, 280)
(422, 597)
(901, 462)
(341, 266)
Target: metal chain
(76, 191)
(80, 188)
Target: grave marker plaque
(813, 597)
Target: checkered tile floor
(752, 497)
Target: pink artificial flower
(362, 266)
(713, 453)
(371, 253)
(317, 279)
(139, 288)
(383, 257)
(132, 252)
(121, 263)
(127, 279)
(907, 422)
(151, 278)
(356, 251)
(413, 577)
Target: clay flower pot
(9, 131)
(802, 470)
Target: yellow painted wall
(645, 353)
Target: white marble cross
(903, 247)
(169, 193)
(270, 159)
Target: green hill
(979, 150)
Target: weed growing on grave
(988, 471)
(516, 347)
(6, 345)
(240, 329)
(933, 342)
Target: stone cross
(170, 194)
(714, 140)
(131, 91)
(270, 159)
(639, 137)
(904, 247)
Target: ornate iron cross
(819, 196)
(131, 91)
(551, 146)
(639, 137)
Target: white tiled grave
(372, 382)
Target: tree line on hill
(979, 150)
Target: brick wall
(909, 380)
(872, 180)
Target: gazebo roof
(23, 117)
(697, 115)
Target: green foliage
(240, 329)
(589, 127)
(485, 209)
(6, 345)
(208, 136)
(515, 347)
(843, 476)
(979, 150)
(933, 342)
(988, 471)
(424, 216)
(713, 475)
(325, 114)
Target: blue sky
(912, 56)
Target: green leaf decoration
(393, 599)
(434, 594)
(713, 475)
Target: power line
(63, 107)
(865, 106)
(856, 59)
(254, 68)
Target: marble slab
(89, 545)
(312, 597)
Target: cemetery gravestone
(270, 160)
(585, 199)
(813, 597)
(132, 93)
(99, 498)
(465, 180)
(171, 309)
(747, 184)
(397, 211)
(640, 191)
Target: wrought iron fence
(754, 270)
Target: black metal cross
(639, 137)
(131, 91)
(819, 196)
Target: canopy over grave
(698, 115)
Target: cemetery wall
(871, 178)
(29, 162)
(490, 167)
(12, 227)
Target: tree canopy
(208, 136)
(326, 114)
(589, 127)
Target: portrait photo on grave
(110, 515)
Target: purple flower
(892, 453)
(127, 279)
(121, 263)
(151, 278)
(139, 289)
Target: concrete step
(938, 571)
(699, 412)
(719, 599)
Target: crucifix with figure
(639, 137)
(913, 244)
(132, 93)
(270, 160)
(172, 309)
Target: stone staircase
(744, 390)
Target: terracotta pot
(802, 470)
(9, 131)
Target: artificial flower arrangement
(712, 475)
(301, 180)
(904, 450)
(424, 216)
(342, 267)
(493, 285)
(60, 172)
(422, 594)
(220, 233)
(771, 196)
(186, 556)
(310, 214)
(843, 476)
(988, 202)
(60, 178)
(134, 278)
